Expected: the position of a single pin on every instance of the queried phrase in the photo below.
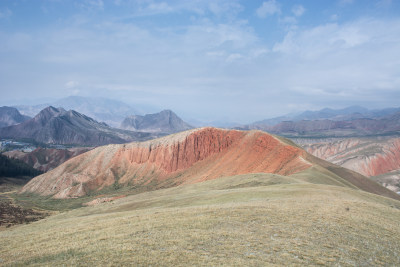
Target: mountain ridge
(58, 126)
(101, 109)
(190, 157)
(11, 116)
(387, 125)
(165, 121)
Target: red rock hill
(187, 157)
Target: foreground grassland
(234, 221)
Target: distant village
(11, 145)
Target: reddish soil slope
(187, 157)
(368, 156)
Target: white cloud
(220, 8)
(91, 5)
(71, 84)
(384, 3)
(159, 8)
(5, 13)
(234, 57)
(212, 64)
(289, 20)
(346, 2)
(218, 36)
(334, 17)
(353, 60)
(298, 10)
(330, 37)
(268, 8)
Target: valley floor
(234, 221)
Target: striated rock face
(45, 159)
(368, 156)
(191, 157)
(186, 157)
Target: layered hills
(374, 156)
(11, 116)
(327, 124)
(191, 157)
(45, 159)
(206, 197)
(165, 121)
(58, 126)
(105, 110)
(345, 114)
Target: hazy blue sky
(235, 60)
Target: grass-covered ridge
(255, 219)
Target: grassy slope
(254, 219)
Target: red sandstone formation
(368, 156)
(186, 157)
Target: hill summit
(165, 121)
(191, 157)
(11, 116)
(58, 126)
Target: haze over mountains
(11, 116)
(188, 186)
(165, 121)
(58, 126)
(113, 112)
(105, 110)
(334, 123)
(349, 113)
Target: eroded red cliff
(368, 156)
(186, 157)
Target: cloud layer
(205, 59)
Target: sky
(217, 60)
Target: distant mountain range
(105, 110)
(165, 121)
(58, 126)
(11, 116)
(353, 121)
(349, 113)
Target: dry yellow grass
(252, 220)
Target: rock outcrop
(187, 157)
(368, 156)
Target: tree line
(13, 168)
